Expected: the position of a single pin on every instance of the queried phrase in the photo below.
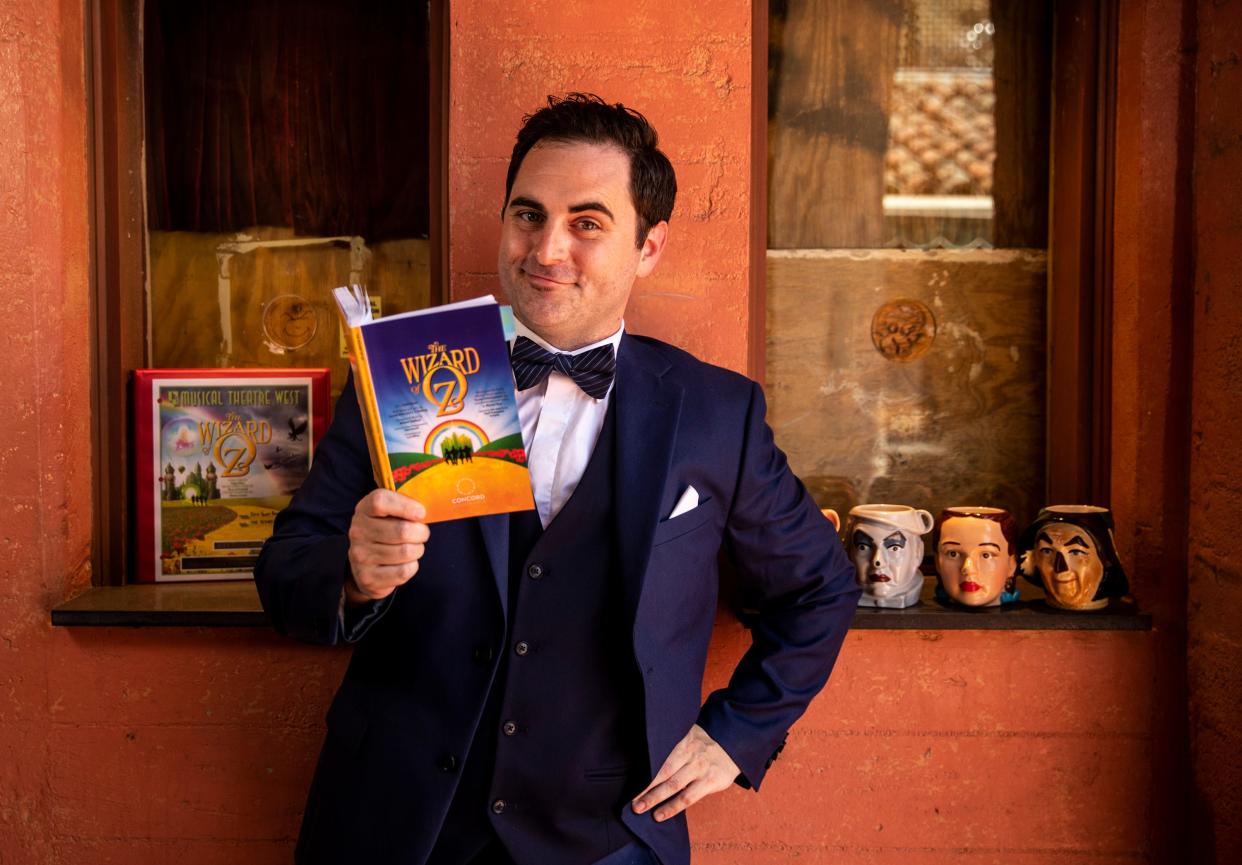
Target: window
(911, 317)
(248, 157)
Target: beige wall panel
(960, 423)
(188, 329)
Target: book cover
(219, 453)
(436, 393)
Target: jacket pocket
(682, 523)
(606, 773)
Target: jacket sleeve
(303, 566)
(794, 571)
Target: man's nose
(1061, 566)
(553, 245)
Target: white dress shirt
(560, 425)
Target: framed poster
(219, 452)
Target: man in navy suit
(525, 688)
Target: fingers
(387, 530)
(691, 793)
(375, 582)
(386, 541)
(661, 791)
(386, 503)
(695, 768)
(386, 554)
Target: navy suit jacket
(425, 658)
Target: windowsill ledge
(211, 604)
(1030, 613)
(236, 604)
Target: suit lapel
(495, 530)
(648, 409)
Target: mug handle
(927, 519)
(833, 517)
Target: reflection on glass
(278, 167)
(907, 278)
(914, 124)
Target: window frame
(116, 190)
(1080, 241)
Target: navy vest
(562, 745)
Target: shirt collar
(520, 329)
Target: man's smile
(547, 280)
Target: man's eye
(1046, 551)
(986, 555)
(952, 554)
(1077, 552)
(529, 216)
(588, 225)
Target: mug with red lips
(886, 544)
(976, 555)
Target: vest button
(447, 762)
(498, 807)
(522, 647)
(535, 571)
(509, 728)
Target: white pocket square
(689, 501)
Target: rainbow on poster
(437, 438)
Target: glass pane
(908, 184)
(278, 167)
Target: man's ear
(652, 247)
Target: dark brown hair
(1008, 525)
(587, 117)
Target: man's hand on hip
(697, 767)
(386, 540)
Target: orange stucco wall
(196, 746)
(687, 68)
(1150, 366)
(1214, 646)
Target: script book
(438, 405)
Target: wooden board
(280, 311)
(961, 423)
(831, 65)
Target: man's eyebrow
(1077, 541)
(989, 544)
(593, 205)
(523, 201)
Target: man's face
(568, 257)
(973, 560)
(1069, 564)
(884, 558)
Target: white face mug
(886, 544)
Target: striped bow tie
(591, 370)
